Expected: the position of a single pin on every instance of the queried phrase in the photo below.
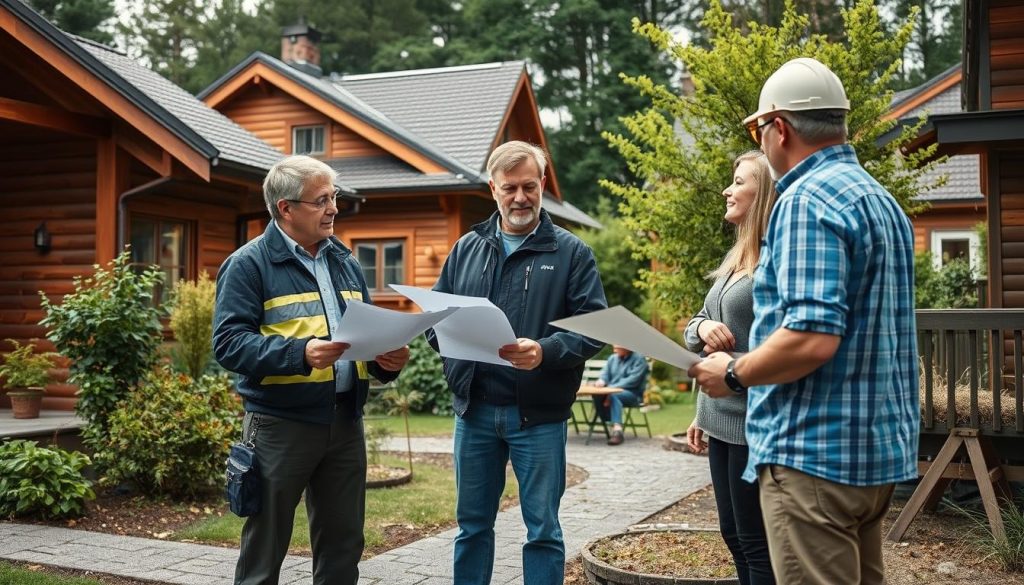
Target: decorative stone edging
(390, 481)
(599, 572)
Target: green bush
(192, 324)
(24, 368)
(425, 374)
(1008, 551)
(172, 435)
(42, 481)
(951, 287)
(110, 330)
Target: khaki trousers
(821, 532)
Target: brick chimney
(300, 47)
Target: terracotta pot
(25, 403)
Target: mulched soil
(135, 515)
(937, 549)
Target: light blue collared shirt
(317, 266)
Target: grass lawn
(669, 419)
(426, 502)
(10, 575)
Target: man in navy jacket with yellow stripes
(279, 298)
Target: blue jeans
(613, 412)
(486, 438)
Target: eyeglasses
(756, 129)
(321, 203)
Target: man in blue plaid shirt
(832, 417)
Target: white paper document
(618, 326)
(372, 331)
(473, 332)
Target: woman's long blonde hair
(744, 254)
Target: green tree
(619, 269)
(163, 33)
(677, 201)
(86, 18)
(226, 37)
(824, 16)
(935, 43)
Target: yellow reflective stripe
(315, 326)
(361, 371)
(351, 294)
(289, 299)
(323, 375)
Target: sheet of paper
(618, 326)
(373, 330)
(473, 332)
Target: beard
(516, 218)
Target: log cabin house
(97, 151)
(947, 227)
(413, 144)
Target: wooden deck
(59, 425)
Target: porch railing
(959, 366)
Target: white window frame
(323, 138)
(938, 236)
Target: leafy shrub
(24, 368)
(43, 481)
(110, 330)
(172, 435)
(192, 324)
(951, 287)
(425, 374)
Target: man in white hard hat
(832, 417)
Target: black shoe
(616, 438)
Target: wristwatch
(731, 380)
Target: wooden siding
(271, 114)
(943, 217)
(1011, 228)
(52, 181)
(1006, 52)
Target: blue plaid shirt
(838, 258)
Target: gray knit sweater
(724, 418)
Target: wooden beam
(147, 152)
(106, 200)
(52, 118)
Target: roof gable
(171, 117)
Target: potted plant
(25, 374)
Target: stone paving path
(625, 485)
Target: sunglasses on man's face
(756, 129)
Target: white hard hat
(800, 84)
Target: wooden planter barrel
(390, 482)
(599, 572)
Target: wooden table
(593, 419)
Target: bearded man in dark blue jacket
(536, 273)
(279, 298)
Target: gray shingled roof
(457, 109)
(373, 173)
(234, 142)
(963, 171)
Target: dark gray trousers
(329, 463)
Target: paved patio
(625, 484)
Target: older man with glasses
(279, 299)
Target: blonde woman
(724, 325)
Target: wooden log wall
(939, 217)
(1006, 53)
(53, 182)
(1011, 229)
(270, 114)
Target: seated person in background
(625, 369)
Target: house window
(308, 140)
(383, 262)
(165, 243)
(948, 245)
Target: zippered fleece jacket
(268, 307)
(552, 275)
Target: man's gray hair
(817, 126)
(288, 178)
(509, 155)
